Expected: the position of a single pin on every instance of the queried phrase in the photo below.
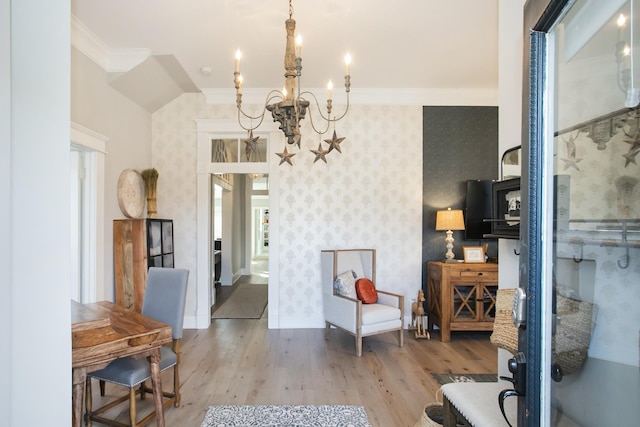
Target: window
(239, 150)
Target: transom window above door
(239, 150)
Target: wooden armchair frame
(346, 313)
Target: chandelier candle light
(448, 221)
(289, 108)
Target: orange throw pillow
(366, 291)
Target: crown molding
(372, 96)
(110, 60)
(83, 39)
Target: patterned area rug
(286, 416)
(465, 378)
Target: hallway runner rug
(286, 416)
(248, 301)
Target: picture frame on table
(474, 254)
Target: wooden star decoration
(285, 156)
(630, 157)
(571, 160)
(320, 154)
(334, 143)
(251, 146)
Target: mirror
(510, 166)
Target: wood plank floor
(241, 362)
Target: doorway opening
(240, 234)
(222, 161)
(86, 177)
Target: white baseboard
(291, 322)
(197, 322)
(275, 322)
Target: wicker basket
(574, 323)
(505, 334)
(432, 416)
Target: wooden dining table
(102, 332)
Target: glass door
(581, 232)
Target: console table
(461, 297)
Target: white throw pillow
(345, 284)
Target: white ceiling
(432, 44)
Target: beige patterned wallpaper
(369, 196)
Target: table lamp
(448, 221)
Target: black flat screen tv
(477, 209)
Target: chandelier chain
(290, 9)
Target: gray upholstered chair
(164, 300)
(350, 314)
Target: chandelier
(289, 106)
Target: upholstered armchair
(344, 310)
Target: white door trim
(207, 129)
(95, 146)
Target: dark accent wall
(459, 144)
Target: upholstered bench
(476, 404)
